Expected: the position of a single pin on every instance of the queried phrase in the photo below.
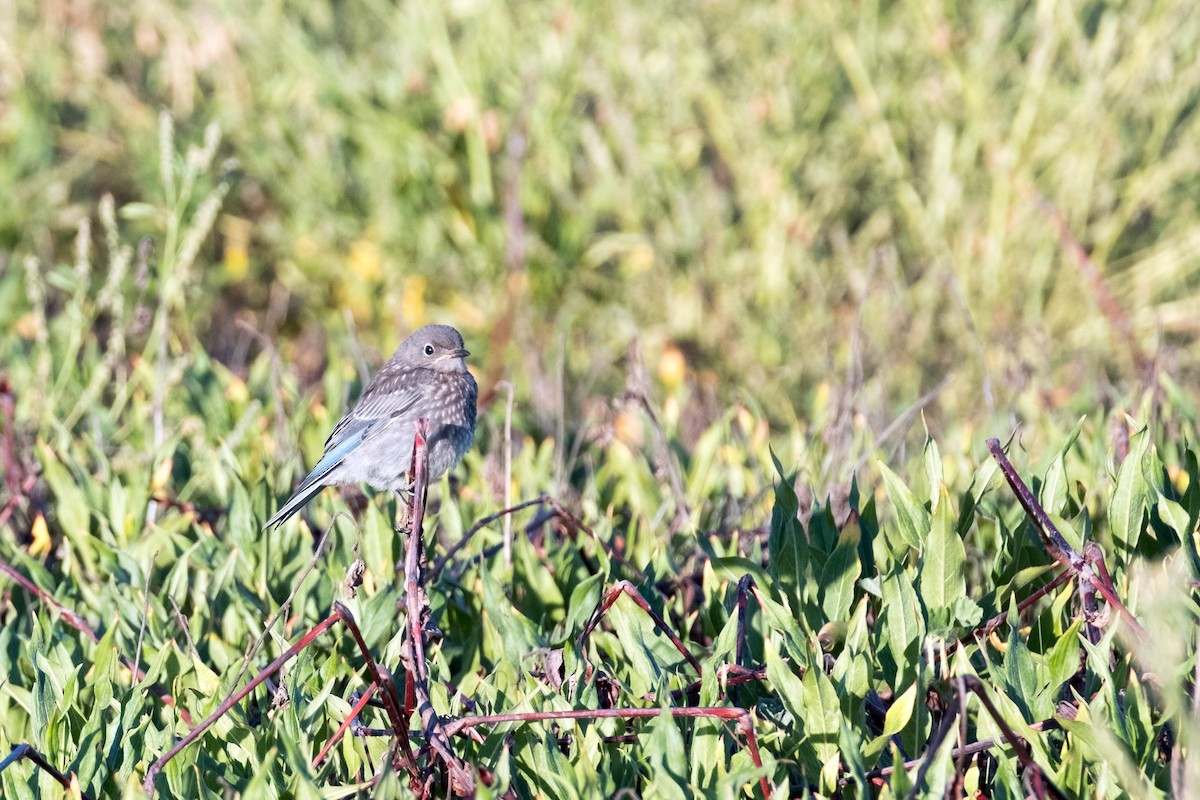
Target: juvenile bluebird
(426, 378)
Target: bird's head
(437, 347)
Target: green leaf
(822, 714)
(912, 518)
(903, 624)
(841, 572)
(942, 580)
(787, 543)
(1127, 507)
(1062, 661)
(666, 754)
(933, 470)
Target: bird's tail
(294, 503)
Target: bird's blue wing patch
(346, 444)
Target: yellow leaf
(900, 712)
(161, 475)
(41, 537)
(74, 791)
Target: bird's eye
(428, 349)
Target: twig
(1057, 546)
(441, 562)
(382, 678)
(975, 686)
(730, 675)
(985, 629)
(462, 782)
(355, 710)
(235, 698)
(26, 750)
(740, 715)
(625, 587)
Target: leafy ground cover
(764, 284)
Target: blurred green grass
(820, 203)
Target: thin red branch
(1056, 545)
(381, 677)
(234, 699)
(975, 686)
(985, 629)
(355, 710)
(462, 781)
(628, 588)
(739, 715)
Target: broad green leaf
(787, 543)
(903, 625)
(942, 581)
(1062, 661)
(841, 572)
(912, 518)
(1127, 506)
(822, 714)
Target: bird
(426, 378)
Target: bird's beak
(461, 352)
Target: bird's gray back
(392, 402)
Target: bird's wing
(389, 396)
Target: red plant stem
(1058, 547)
(354, 712)
(628, 588)
(975, 686)
(26, 750)
(80, 624)
(234, 699)
(461, 779)
(983, 630)
(733, 676)
(741, 715)
(381, 677)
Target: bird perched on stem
(426, 378)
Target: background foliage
(787, 227)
